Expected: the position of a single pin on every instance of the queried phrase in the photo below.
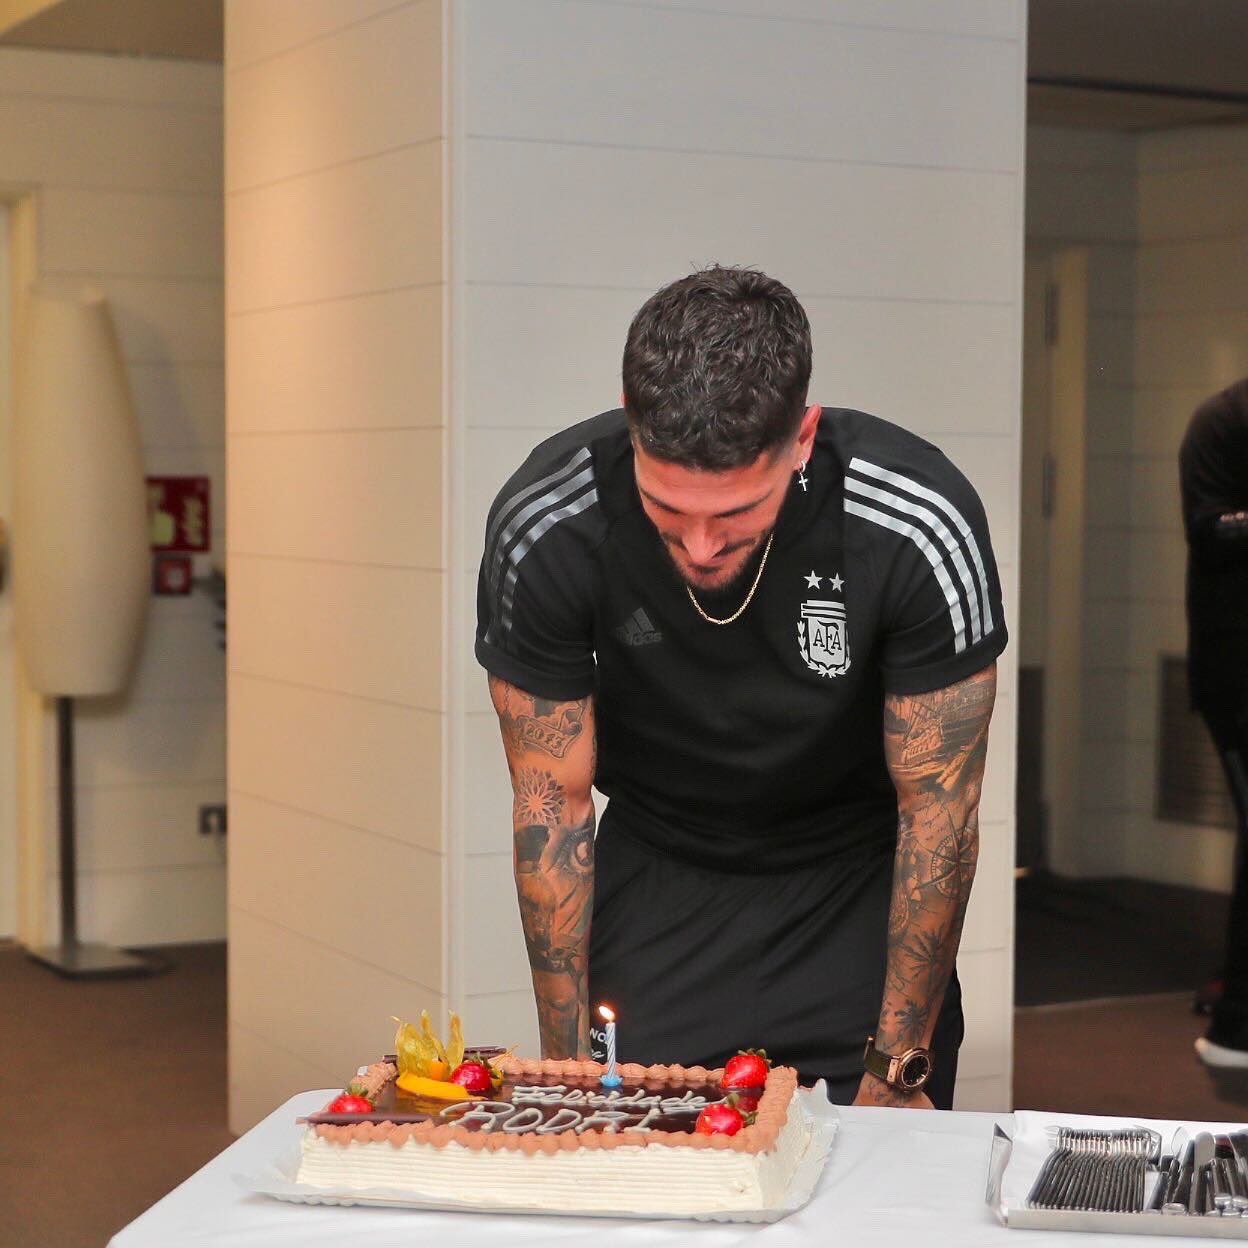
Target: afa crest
(823, 637)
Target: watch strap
(889, 1068)
(876, 1063)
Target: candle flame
(607, 1012)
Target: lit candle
(612, 1078)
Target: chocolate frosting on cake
(552, 1105)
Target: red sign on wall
(178, 513)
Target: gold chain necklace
(740, 611)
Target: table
(894, 1177)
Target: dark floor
(95, 1071)
(1105, 972)
(1132, 1057)
(1077, 940)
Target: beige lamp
(80, 546)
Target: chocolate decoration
(395, 1105)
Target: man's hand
(551, 755)
(935, 745)
(873, 1091)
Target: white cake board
(278, 1181)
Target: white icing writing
(523, 1120)
(686, 1104)
(486, 1114)
(605, 1119)
(577, 1109)
(561, 1121)
(639, 1098)
(652, 1115)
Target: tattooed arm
(935, 745)
(551, 755)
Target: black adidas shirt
(758, 745)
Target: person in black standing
(767, 631)
(1213, 475)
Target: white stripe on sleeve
(913, 488)
(941, 531)
(919, 538)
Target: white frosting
(655, 1178)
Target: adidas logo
(638, 630)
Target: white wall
(334, 184)
(870, 155)
(123, 158)
(585, 154)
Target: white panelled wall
(335, 259)
(417, 295)
(122, 159)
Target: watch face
(915, 1071)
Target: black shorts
(698, 964)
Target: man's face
(713, 522)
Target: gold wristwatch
(907, 1072)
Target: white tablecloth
(895, 1177)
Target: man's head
(716, 369)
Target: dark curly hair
(716, 368)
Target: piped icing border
(759, 1137)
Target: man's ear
(806, 432)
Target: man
(1213, 473)
(767, 632)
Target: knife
(1239, 1169)
(1167, 1178)
(1220, 1175)
(1177, 1199)
(1200, 1198)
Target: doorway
(1050, 626)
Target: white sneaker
(1218, 1055)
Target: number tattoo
(538, 723)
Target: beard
(725, 598)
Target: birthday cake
(548, 1136)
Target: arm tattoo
(537, 723)
(538, 797)
(554, 880)
(551, 755)
(935, 744)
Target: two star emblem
(816, 582)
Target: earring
(801, 475)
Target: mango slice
(433, 1089)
